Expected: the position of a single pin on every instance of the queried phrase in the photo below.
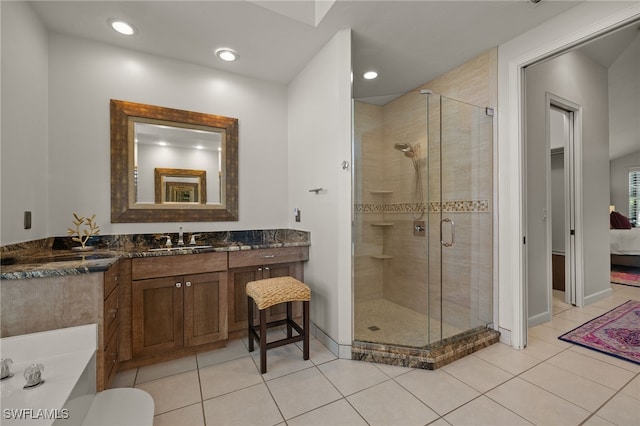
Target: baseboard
(539, 319)
(505, 336)
(341, 351)
(593, 298)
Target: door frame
(574, 250)
(556, 36)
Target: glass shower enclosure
(423, 235)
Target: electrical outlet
(27, 220)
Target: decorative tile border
(461, 206)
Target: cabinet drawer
(111, 315)
(238, 259)
(111, 279)
(164, 266)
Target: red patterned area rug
(626, 275)
(615, 333)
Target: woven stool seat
(272, 291)
(269, 292)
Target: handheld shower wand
(411, 152)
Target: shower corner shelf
(381, 256)
(382, 224)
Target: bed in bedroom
(625, 247)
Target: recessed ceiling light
(228, 55)
(121, 26)
(370, 75)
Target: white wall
(319, 101)
(24, 118)
(573, 26)
(85, 75)
(624, 100)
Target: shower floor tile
(382, 321)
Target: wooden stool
(269, 292)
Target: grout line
(539, 362)
(609, 400)
(204, 417)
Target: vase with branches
(85, 228)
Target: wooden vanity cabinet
(178, 302)
(251, 265)
(107, 361)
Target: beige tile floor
(549, 383)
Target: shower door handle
(453, 233)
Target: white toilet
(120, 407)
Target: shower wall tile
(367, 151)
(474, 82)
(368, 270)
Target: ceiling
(407, 42)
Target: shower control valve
(419, 229)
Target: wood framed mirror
(195, 153)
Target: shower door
(460, 191)
(422, 220)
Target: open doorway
(587, 23)
(575, 88)
(562, 180)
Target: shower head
(406, 149)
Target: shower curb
(429, 357)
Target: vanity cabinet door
(238, 279)
(205, 308)
(157, 315)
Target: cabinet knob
(178, 285)
(114, 312)
(259, 269)
(266, 268)
(188, 283)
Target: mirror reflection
(165, 146)
(180, 186)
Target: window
(634, 196)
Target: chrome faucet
(169, 243)
(180, 237)
(193, 239)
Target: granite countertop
(57, 256)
